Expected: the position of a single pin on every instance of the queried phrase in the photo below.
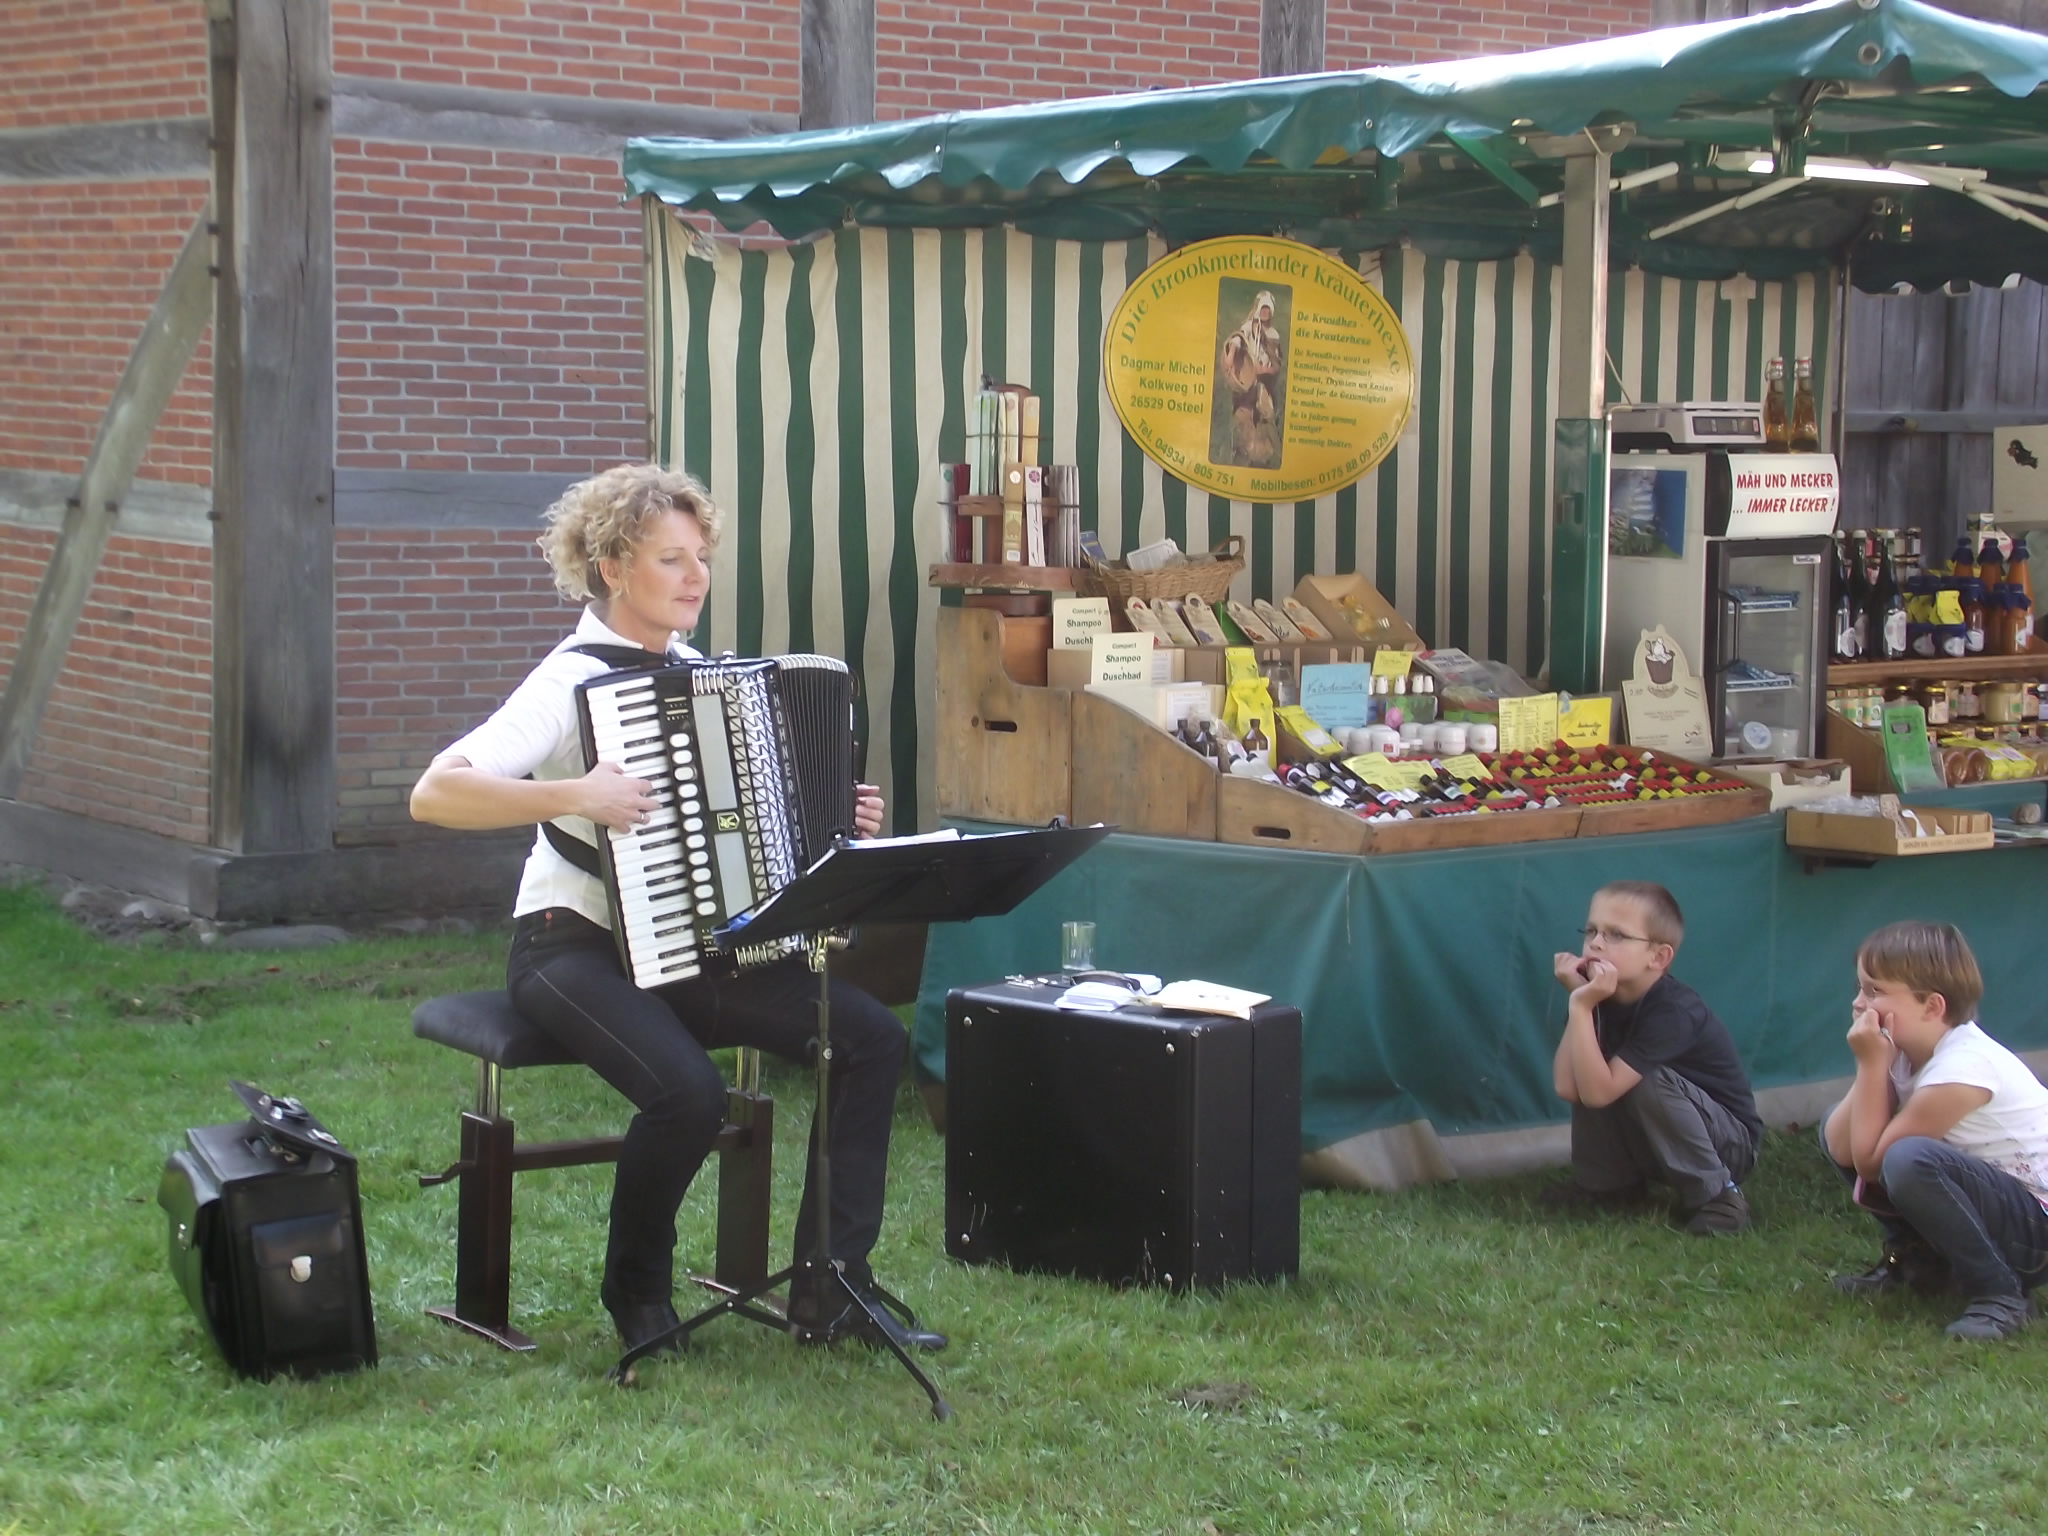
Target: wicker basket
(1205, 576)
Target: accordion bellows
(752, 764)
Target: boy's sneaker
(1993, 1317)
(1574, 1198)
(1920, 1270)
(1726, 1213)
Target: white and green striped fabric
(817, 388)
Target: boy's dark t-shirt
(1671, 1026)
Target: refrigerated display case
(1729, 552)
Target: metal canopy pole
(1578, 518)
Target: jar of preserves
(1934, 700)
(2002, 703)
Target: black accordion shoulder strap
(571, 847)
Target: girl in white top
(1944, 1132)
(634, 545)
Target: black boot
(821, 1313)
(639, 1321)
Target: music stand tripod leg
(824, 1265)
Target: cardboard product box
(1164, 704)
(1951, 832)
(1338, 600)
(1794, 781)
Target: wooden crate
(1959, 832)
(1005, 749)
(1862, 750)
(1255, 814)
(1129, 772)
(1670, 815)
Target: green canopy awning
(1457, 157)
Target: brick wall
(432, 631)
(80, 266)
(125, 737)
(1363, 33)
(90, 61)
(487, 311)
(488, 302)
(932, 57)
(737, 54)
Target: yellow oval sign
(1258, 369)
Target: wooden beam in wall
(146, 150)
(837, 46)
(1290, 37)
(420, 112)
(173, 329)
(273, 416)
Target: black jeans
(564, 975)
(1982, 1220)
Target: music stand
(950, 880)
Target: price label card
(1466, 766)
(1374, 768)
(1388, 662)
(1587, 723)
(1528, 724)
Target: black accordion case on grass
(266, 1241)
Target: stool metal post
(490, 1079)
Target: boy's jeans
(1985, 1222)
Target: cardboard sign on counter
(1335, 696)
(1666, 706)
(1528, 725)
(1587, 722)
(1078, 620)
(1076, 667)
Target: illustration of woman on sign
(1251, 368)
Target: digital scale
(1690, 425)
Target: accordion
(752, 766)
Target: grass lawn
(1447, 1361)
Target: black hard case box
(269, 1252)
(1134, 1147)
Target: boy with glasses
(1944, 1132)
(1657, 1091)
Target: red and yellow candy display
(1596, 776)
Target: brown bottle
(1255, 742)
(1805, 429)
(1777, 422)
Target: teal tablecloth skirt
(1424, 979)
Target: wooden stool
(486, 1025)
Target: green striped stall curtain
(817, 388)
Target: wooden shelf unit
(1962, 669)
(1016, 578)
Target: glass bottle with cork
(1803, 435)
(1859, 594)
(1887, 607)
(1777, 419)
(1847, 642)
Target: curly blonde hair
(606, 517)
